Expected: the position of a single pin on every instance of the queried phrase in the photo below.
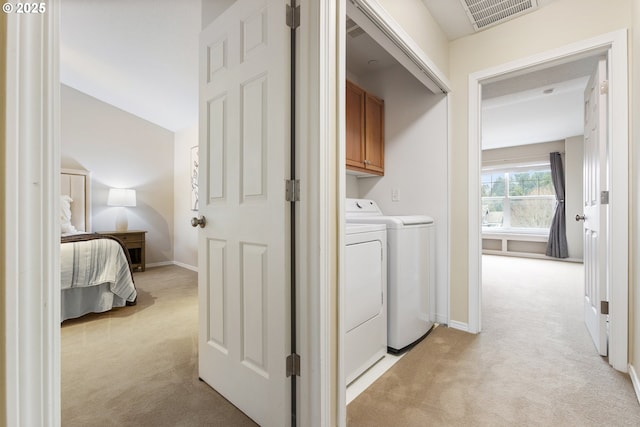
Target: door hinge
(604, 87)
(604, 307)
(293, 17)
(604, 197)
(293, 365)
(292, 190)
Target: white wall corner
(442, 319)
(461, 326)
(185, 237)
(187, 266)
(635, 381)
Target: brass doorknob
(580, 217)
(202, 221)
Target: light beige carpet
(533, 365)
(137, 366)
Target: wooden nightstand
(134, 242)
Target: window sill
(532, 236)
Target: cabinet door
(355, 126)
(374, 134)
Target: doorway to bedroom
(126, 133)
(504, 242)
(529, 300)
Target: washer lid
(394, 221)
(416, 219)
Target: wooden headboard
(76, 184)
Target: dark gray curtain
(557, 245)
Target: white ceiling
(140, 56)
(517, 111)
(365, 55)
(534, 116)
(452, 18)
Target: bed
(95, 269)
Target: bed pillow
(65, 215)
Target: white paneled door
(596, 186)
(243, 249)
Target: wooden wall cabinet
(365, 131)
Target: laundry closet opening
(400, 171)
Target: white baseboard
(635, 381)
(187, 266)
(459, 326)
(179, 264)
(158, 264)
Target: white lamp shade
(121, 197)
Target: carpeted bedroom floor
(533, 365)
(138, 366)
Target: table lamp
(121, 197)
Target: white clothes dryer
(410, 271)
(365, 297)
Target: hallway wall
(416, 160)
(122, 151)
(515, 39)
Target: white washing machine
(365, 297)
(410, 273)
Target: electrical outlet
(395, 195)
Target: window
(520, 199)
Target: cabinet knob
(202, 221)
(580, 217)
(367, 162)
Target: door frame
(31, 279)
(319, 89)
(615, 44)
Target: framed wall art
(194, 178)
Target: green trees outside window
(518, 199)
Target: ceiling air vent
(353, 29)
(485, 13)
